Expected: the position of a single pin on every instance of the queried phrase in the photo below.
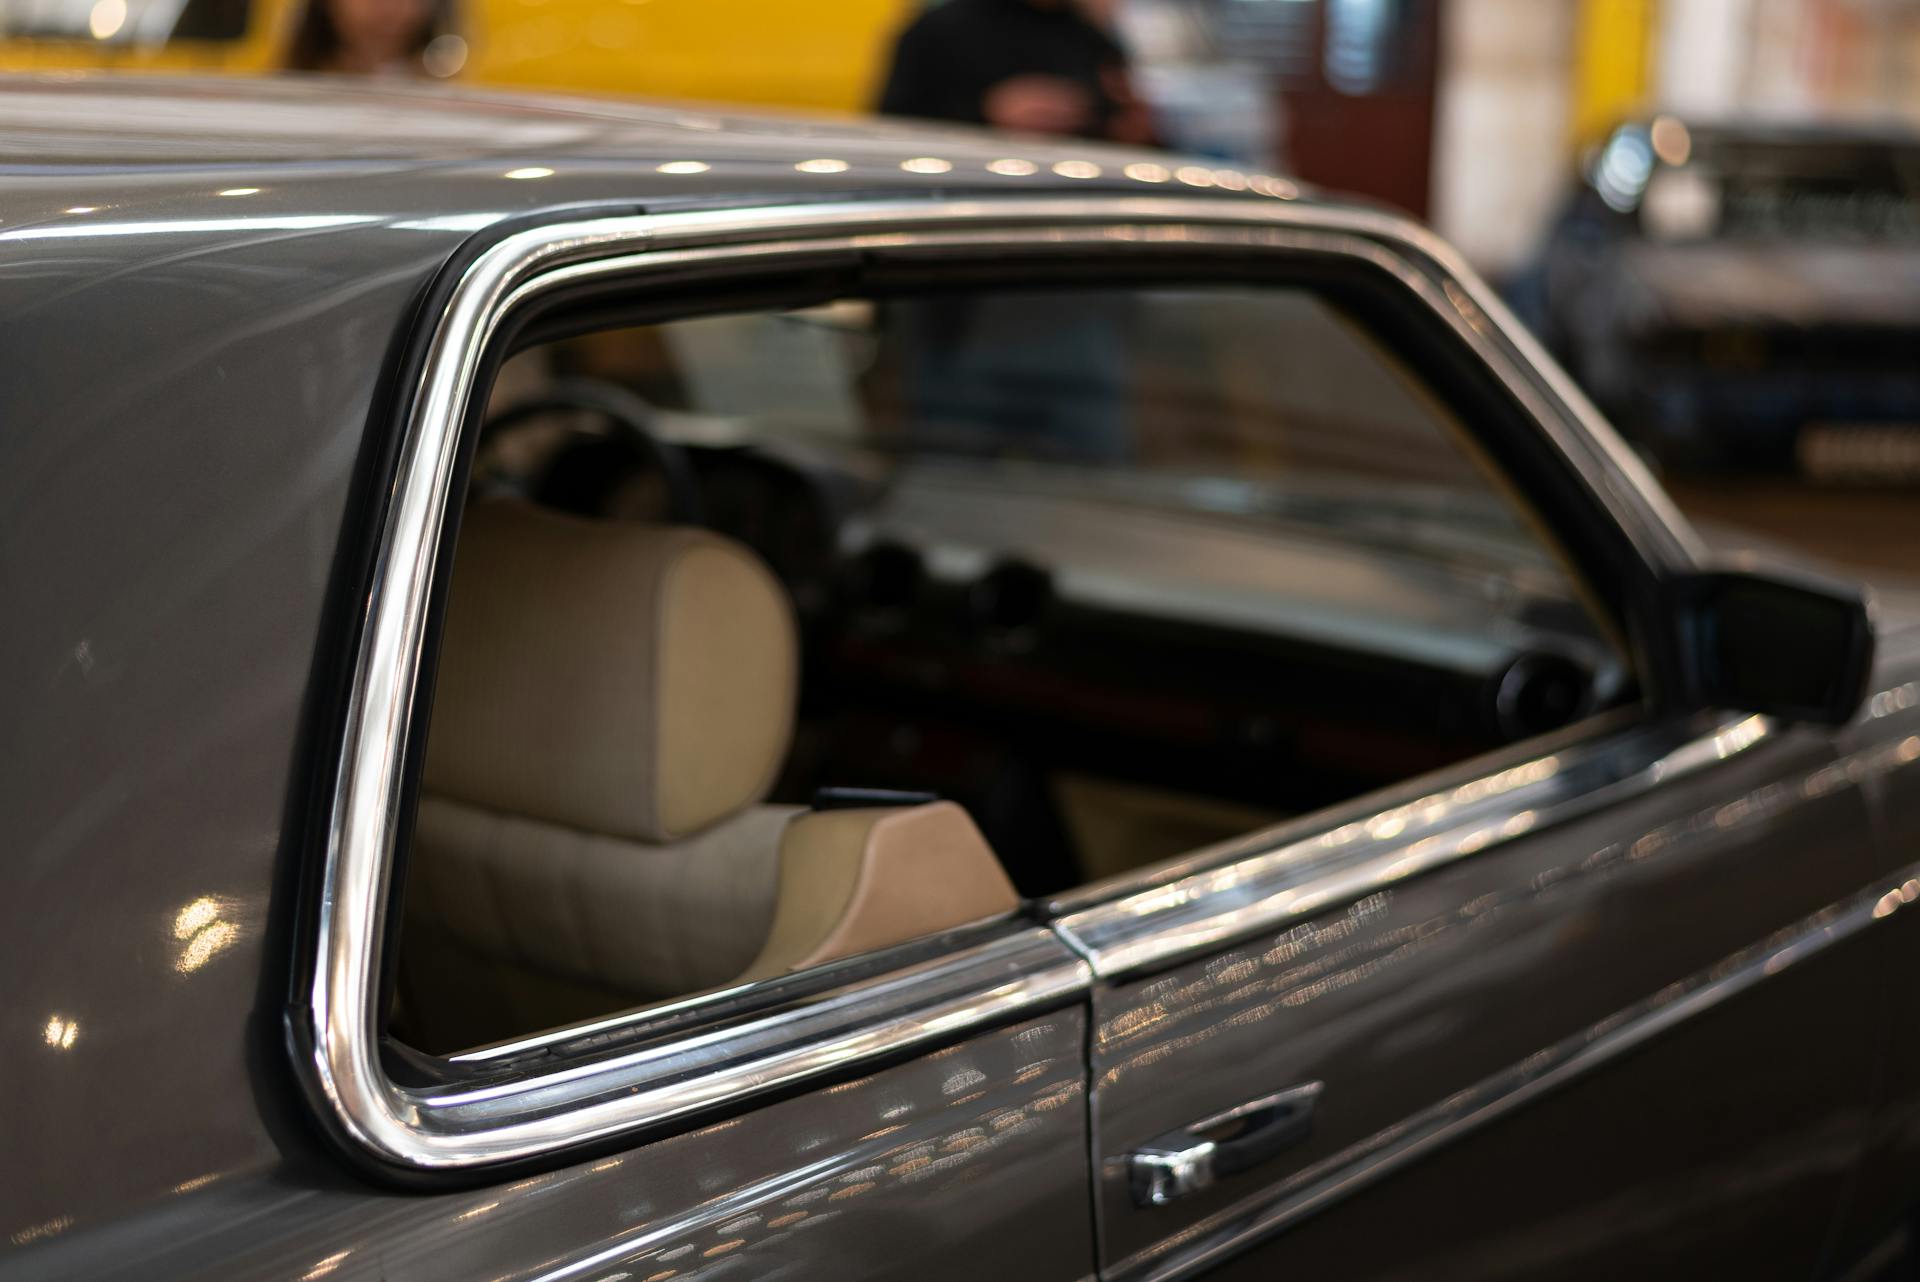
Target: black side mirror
(1795, 647)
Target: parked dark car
(602, 692)
(1745, 297)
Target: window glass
(778, 637)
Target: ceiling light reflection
(205, 931)
(291, 222)
(60, 1032)
(196, 916)
(241, 191)
(44, 1229)
(203, 947)
(823, 166)
(683, 167)
(1148, 173)
(325, 1266)
(1076, 169)
(1012, 168)
(449, 222)
(106, 18)
(444, 55)
(926, 165)
(1671, 141)
(529, 173)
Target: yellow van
(769, 52)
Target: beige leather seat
(855, 880)
(612, 706)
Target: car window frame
(558, 1094)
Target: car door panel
(966, 1161)
(1419, 1002)
(1884, 749)
(1614, 1176)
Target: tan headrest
(633, 680)
(852, 881)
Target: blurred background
(1709, 210)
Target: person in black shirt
(1035, 373)
(1040, 66)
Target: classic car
(1742, 297)
(606, 692)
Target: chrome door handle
(1192, 1158)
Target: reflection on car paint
(748, 1196)
(1263, 984)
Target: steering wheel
(630, 421)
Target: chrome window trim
(1241, 895)
(1615, 472)
(335, 1029)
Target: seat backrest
(612, 705)
(632, 680)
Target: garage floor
(1876, 532)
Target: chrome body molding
(1363, 1164)
(519, 1113)
(334, 1026)
(532, 1104)
(1175, 921)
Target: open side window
(795, 637)
(781, 635)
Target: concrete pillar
(1706, 47)
(1501, 158)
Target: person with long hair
(375, 37)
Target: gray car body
(202, 289)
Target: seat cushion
(643, 922)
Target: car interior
(776, 638)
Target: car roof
(99, 126)
(104, 174)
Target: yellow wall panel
(1613, 64)
(747, 51)
(764, 52)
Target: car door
(925, 1107)
(1593, 1012)
(1593, 1006)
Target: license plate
(1878, 452)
